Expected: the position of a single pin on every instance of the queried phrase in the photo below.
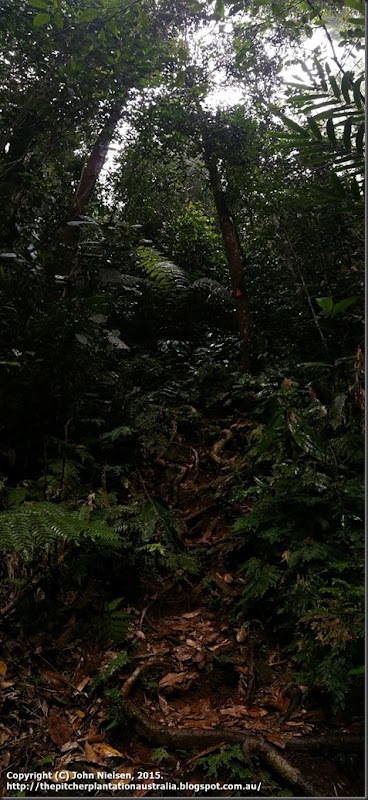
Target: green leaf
(359, 139)
(306, 439)
(270, 434)
(113, 27)
(330, 129)
(342, 306)
(58, 20)
(219, 9)
(338, 185)
(357, 671)
(334, 86)
(355, 190)
(341, 111)
(347, 134)
(321, 73)
(345, 83)
(357, 5)
(115, 603)
(41, 19)
(37, 3)
(89, 14)
(325, 303)
(356, 92)
(294, 126)
(359, 23)
(314, 128)
(180, 78)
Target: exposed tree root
(181, 738)
(219, 446)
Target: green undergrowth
(300, 544)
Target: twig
(146, 609)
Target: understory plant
(300, 542)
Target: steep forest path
(195, 696)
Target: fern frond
(165, 273)
(115, 666)
(211, 287)
(122, 432)
(39, 527)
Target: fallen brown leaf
(192, 643)
(199, 658)
(80, 686)
(68, 746)
(220, 644)
(174, 678)
(90, 754)
(5, 759)
(200, 706)
(192, 614)
(176, 626)
(54, 678)
(3, 737)
(205, 752)
(233, 711)
(94, 737)
(274, 738)
(183, 653)
(256, 711)
(58, 728)
(164, 706)
(105, 751)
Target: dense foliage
(120, 348)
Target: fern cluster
(228, 761)
(151, 533)
(164, 273)
(300, 545)
(103, 676)
(41, 527)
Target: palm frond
(332, 133)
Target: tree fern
(165, 273)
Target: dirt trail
(216, 690)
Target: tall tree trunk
(232, 246)
(69, 235)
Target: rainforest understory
(182, 400)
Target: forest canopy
(182, 401)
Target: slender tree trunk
(233, 251)
(69, 235)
